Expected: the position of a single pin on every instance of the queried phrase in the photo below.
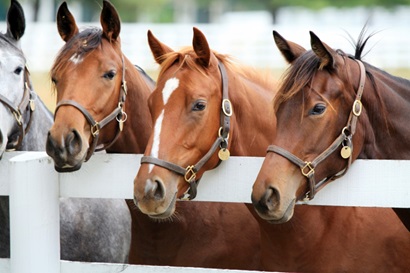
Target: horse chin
(285, 217)
(68, 168)
(168, 213)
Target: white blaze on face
(169, 88)
(76, 59)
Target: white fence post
(34, 214)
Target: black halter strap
(95, 126)
(189, 173)
(345, 138)
(27, 104)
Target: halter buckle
(95, 129)
(357, 108)
(227, 109)
(308, 169)
(18, 117)
(190, 174)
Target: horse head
(89, 79)
(317, 108)
(15, 92)
(186, 110)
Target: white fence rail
(34, 188)
(248, 43)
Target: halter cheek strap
(27, 104)
(221, 142)
(95, 126)
(345, 138)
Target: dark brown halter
(118, 114)
(345, 138)
(189, 173)
(27, 103)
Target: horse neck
(137, 127)
(41, 122)
(253, 123)
(386, 132)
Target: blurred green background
(164, 11)
(203, 12)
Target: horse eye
(318, 109)
(199, 105)
(18, 70)
(109, 75)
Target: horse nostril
(154, 189)
(73, 142)
(270, 200)
(51, 145)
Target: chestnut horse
(198, 235)
(313, 108)
(204, 107)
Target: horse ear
(201, 48)
(325, 53)
(290, 51)
(110, 21)
(66, 24)
(16, 22)
(158, 49)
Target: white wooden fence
(34, 189)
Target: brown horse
(313, 108)
(202, 221)
(181, 101)
(204, 107)
(90, 73)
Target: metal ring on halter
(346, 132)
(220, 133)
(227, 110)
(357, 108)
(124, 117)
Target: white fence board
(34, 186)
(4, 265)
(369, 183)
(80, 267)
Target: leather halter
(27, 104)
(189, 173)
(118, 114)
(345, 139)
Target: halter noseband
(345, 139)
(189, 173)
(27, 103)
(95, 126)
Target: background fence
(34, 189)
(249, 42)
